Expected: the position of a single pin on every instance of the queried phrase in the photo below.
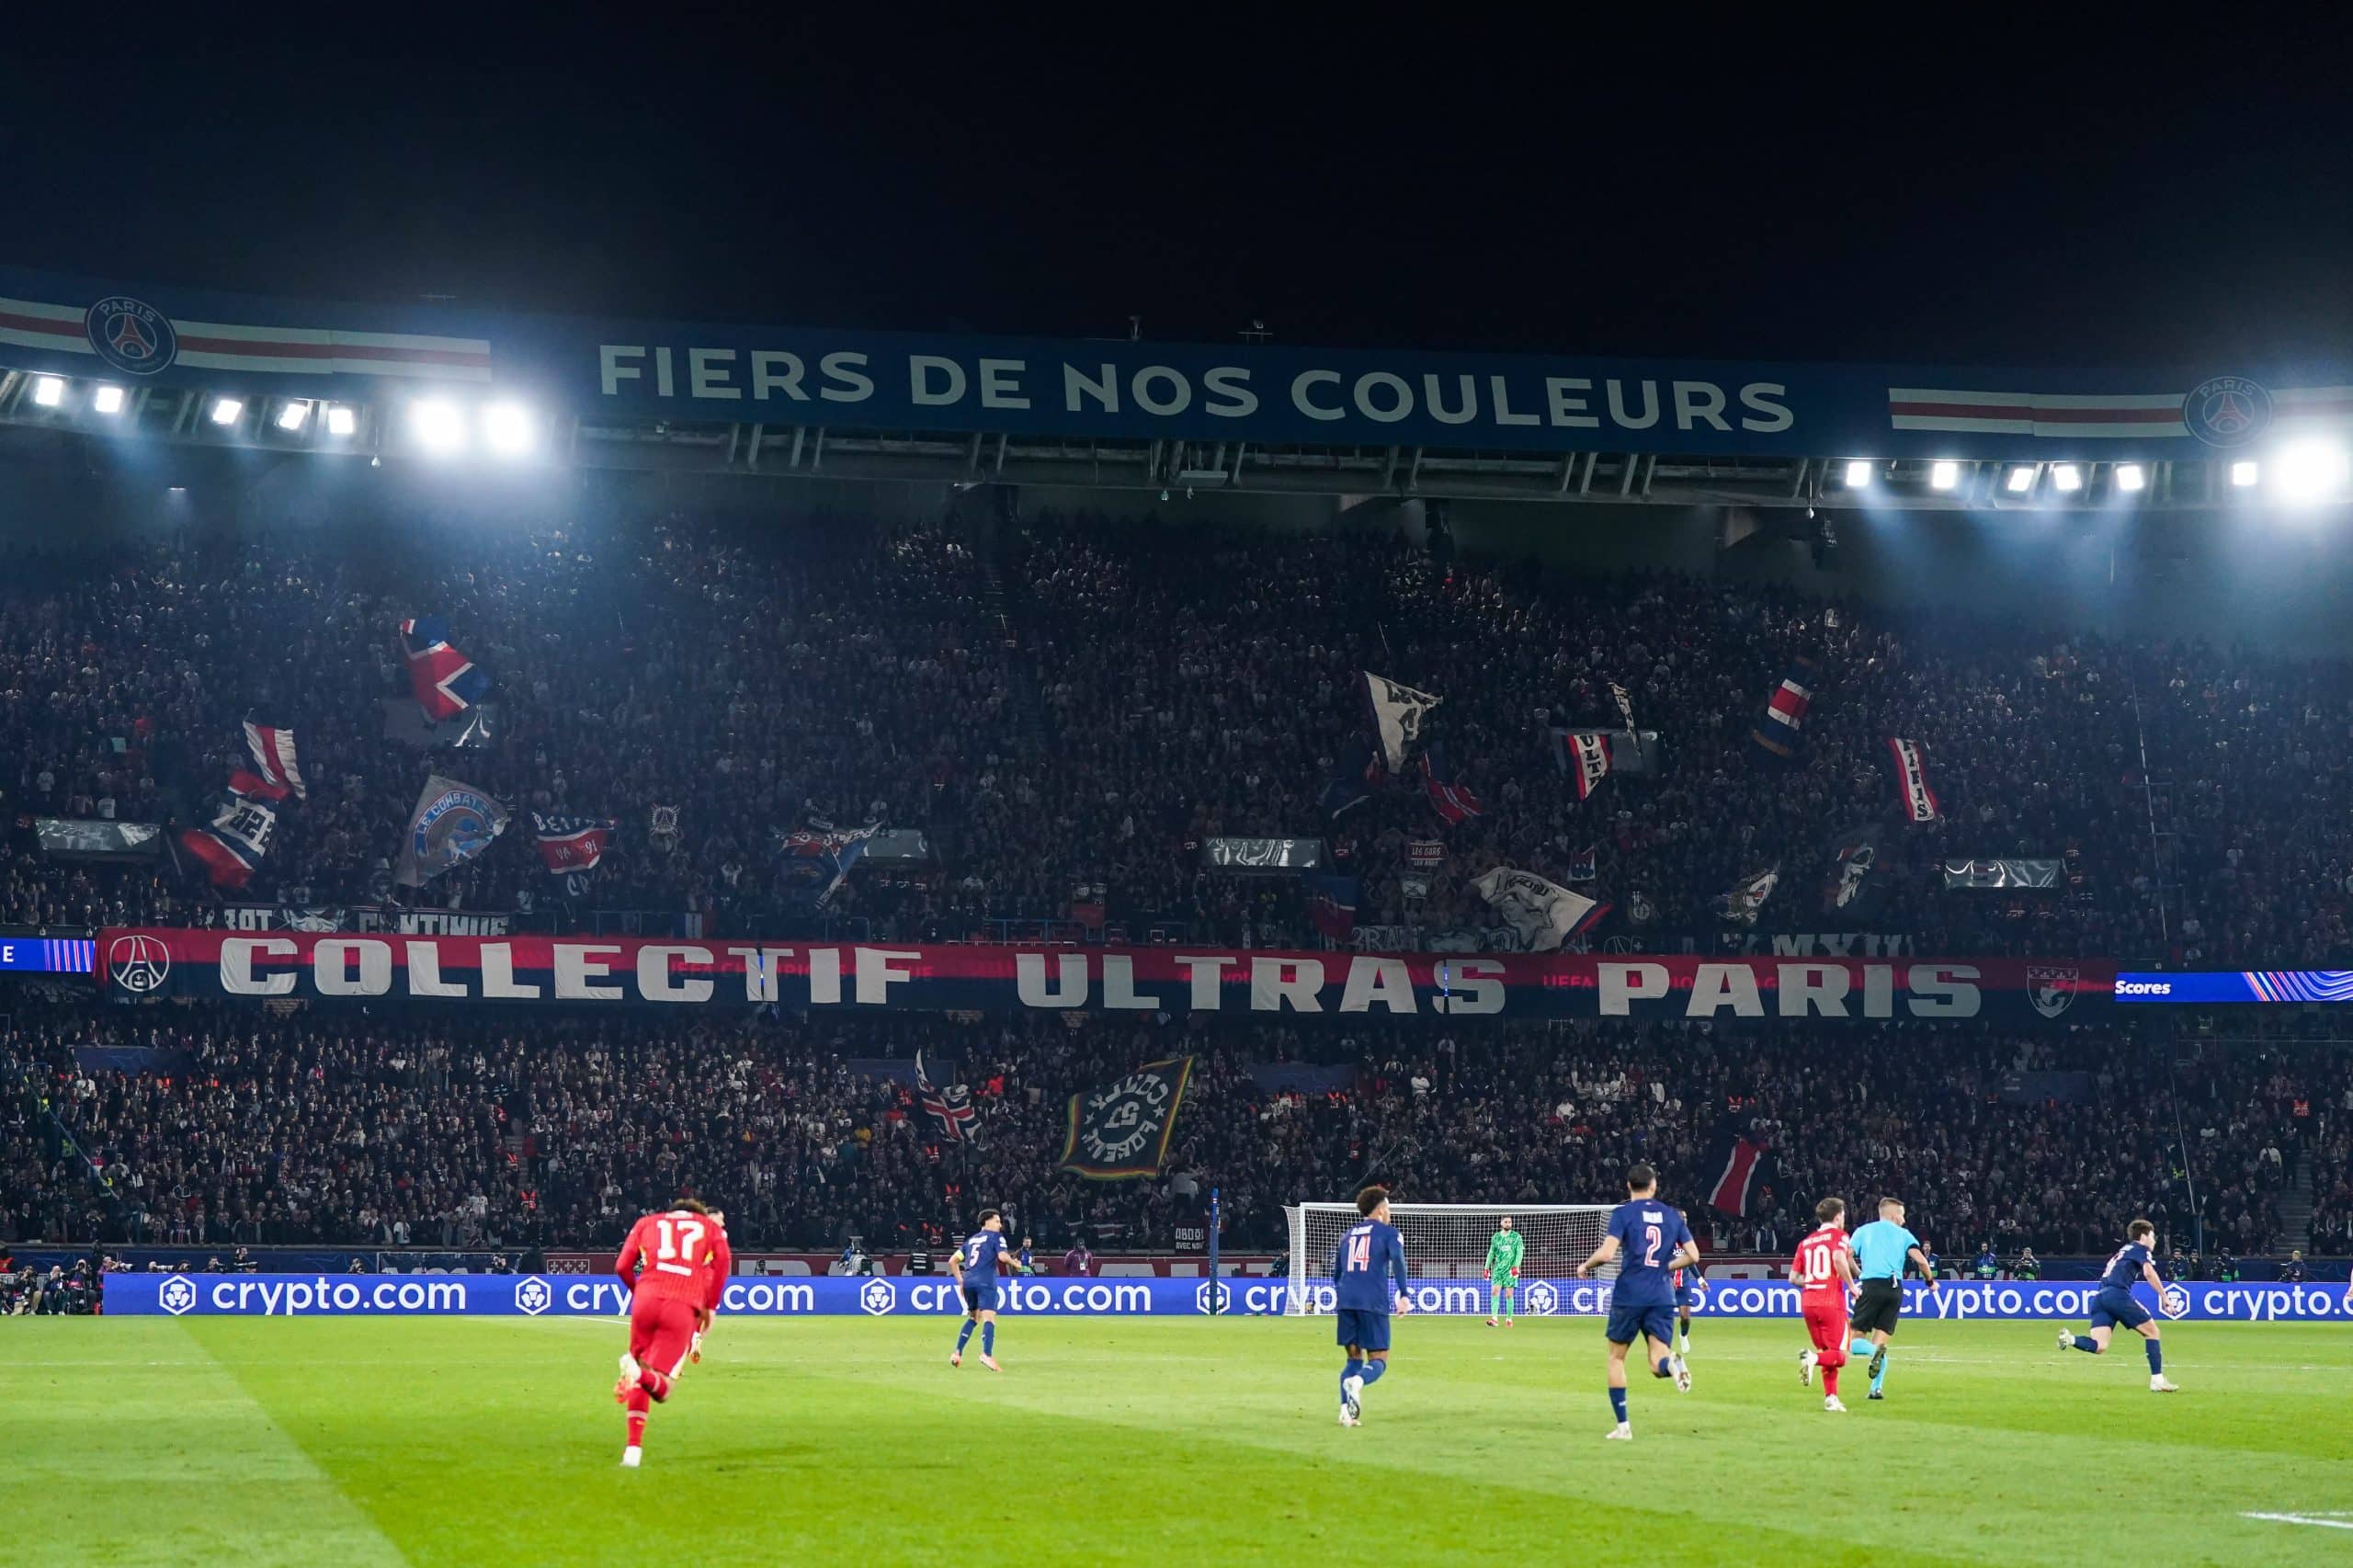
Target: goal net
(1446, 1250)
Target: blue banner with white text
(577, 1296)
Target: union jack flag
(951, 1106)
(445, 681)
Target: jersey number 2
(1650, 1252)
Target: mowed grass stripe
(1192, 1440)
(159, 1457)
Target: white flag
(1397, 712)
(1545, 913)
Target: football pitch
(347, 1442)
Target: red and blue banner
(139, 963)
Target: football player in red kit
(676, 1263)
(1823, 1269)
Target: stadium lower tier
(214, 1127)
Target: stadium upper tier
(100, 357)
(1068, 715)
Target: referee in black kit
(1881, 1248)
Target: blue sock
(2156, 1357)
(1372, 1371)
(988, 1339)
(1618, 1404)
(1860, 1348)
(963, 1336)
(1354, 1369)
(1882, 1369)
(2087, 1344)
(1666, 1368)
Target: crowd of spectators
(214, 1127)
(1075, 704)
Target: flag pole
(1213, 1228)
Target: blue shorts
(1366, 1331)
(1687, 1297)
(980, 1297)
(2113, 1307)
(1629, 1324)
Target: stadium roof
(106, 357)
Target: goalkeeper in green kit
(1503, 1271)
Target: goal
(1446, 1249)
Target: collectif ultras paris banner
(148, 963)
(582, 1296)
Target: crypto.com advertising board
(137, 965)
(579, 1296)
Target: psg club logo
(1540, 1300)
(2227, 411)
(131, 335)
(2174, 1301)
(2050, 990)
(138, 964)
(532, 1296)
(176, 1296)
(1202, 1296)
(877, 1297)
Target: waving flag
(1741, 1174)
(1744, 900)
(274, 761)
(1854, 887)
(445, 680)
(949, 1105)
(1912, 781)
(1453, 801)
(1586, 866)
(1781, 729)
(232, 849)
(1397, 714)
(817, 856)
(1123, 1128)
(1585, 755)
(1545, 912)
(572, 844)
(1332, 903)
(453, 823)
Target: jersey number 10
(1813, 1264)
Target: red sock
(1830, 1382)
(638, 1405)
(654, 1383)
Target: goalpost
(1446, 1249)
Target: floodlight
(507, 428)
(2130, 477)
(294, 416)
(2310, 470)
(227, 410)
(2067, 477)
(438, 425)
(1858, 473)
(2020, 479)
(108, 400)
(49, 390)
(1944, 475)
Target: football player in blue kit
(975, 1265)
(2114, 1305)
(1653, 1242)
(1371, 1256)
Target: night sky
(2036, 200)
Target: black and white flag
(1397, 712)
(1543, 913)
(1741, 904)
(1855, 886)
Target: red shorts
(1825, 1320)
(661, 1332)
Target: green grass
(353, 1442)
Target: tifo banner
(327, 918)
(1123, 1128)
(599, 1295)
(96, 838)
(2001, 873)
(135, 965)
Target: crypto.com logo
(1540, 1300)
(176, 1296)
(532, 1296)
(877, 1297)
(1224, 1296)
(2174, 1301)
